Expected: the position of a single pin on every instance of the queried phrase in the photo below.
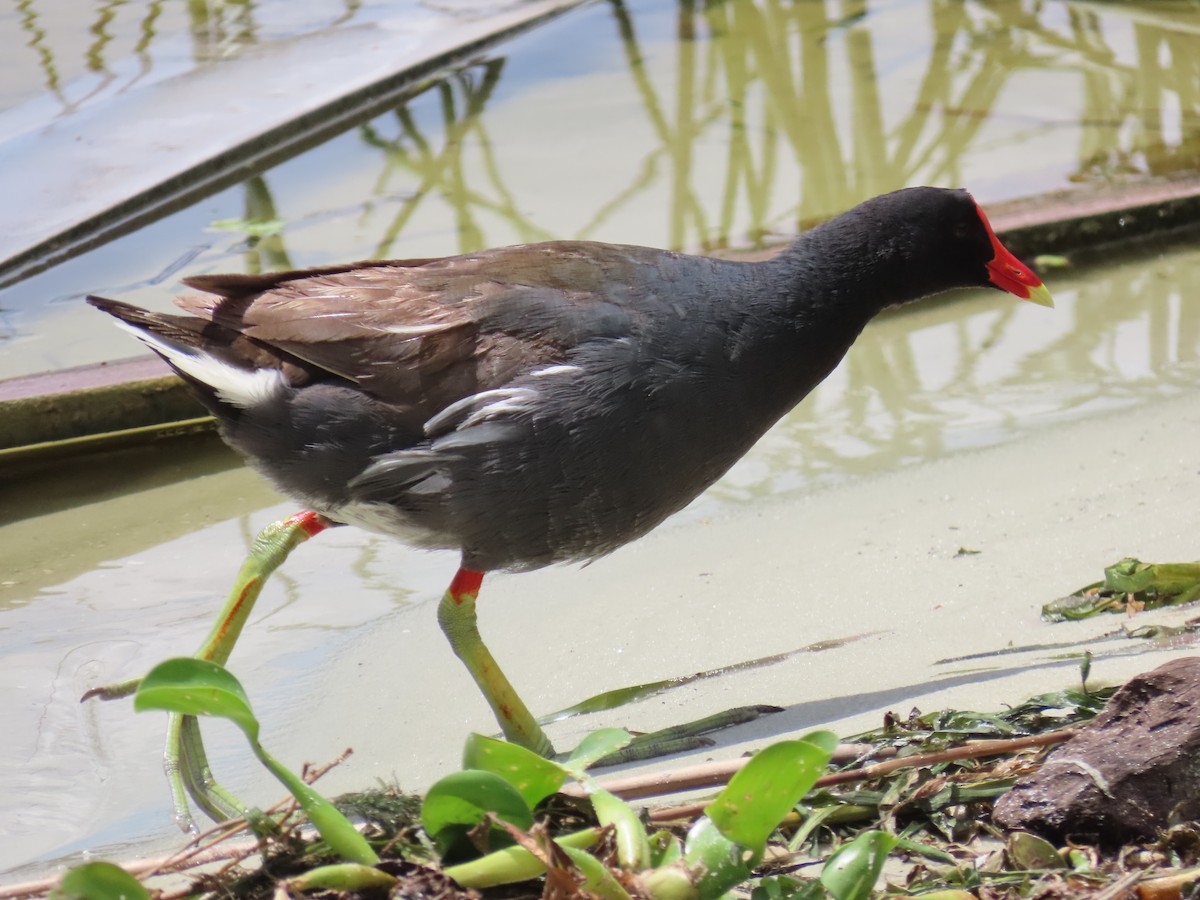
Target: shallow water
(115, 567)
(670, 125)
(65, 55)
(605, 124)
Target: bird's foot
(185, 764)
(113, 691)
(184, 760)
(681, 738)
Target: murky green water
(667, 124)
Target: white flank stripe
(486, 403)
(233, 385)
(435, 423)
(554, 370)
(518, 400)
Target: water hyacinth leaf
(851, 873)
(633, 847)
(99, 881)
(718, 862)
(597, 879)
(1150, 585)
(673, 882)
(513, 864)
(462, 800)
(335, 829)
(196, 687)
(1031, 853)
(762, 793)
(535, 777)
(342, 877)
(596, 745)
(786, 887)
(665, 848)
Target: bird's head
(1008, 273)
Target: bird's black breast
(620, 435)
(588, 418)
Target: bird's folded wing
(433, 331)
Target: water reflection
(717, 125)
(79, 51)
(965, 375)
(760, 116)
(438, 164)
(265, 251)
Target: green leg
(184, 760)
(456, 615)
(271, 547)
(188, 773)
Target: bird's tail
(202, 353)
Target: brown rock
(1125, 773)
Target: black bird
(542, 403)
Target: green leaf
(633, 847)
(462, 800)
(598, 880)
(673, 882)
(665, 849)
(513, 864)
(342, 877)
(335, 829)
(786, 887)
(99, 881)
(718, 862)
(761, 794)
(596, 745)
(535, 777)
(196, 687)
(1030, 852)
(851, 873)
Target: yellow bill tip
(1041, 296)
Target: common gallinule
(540, 403)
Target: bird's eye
(962, 230)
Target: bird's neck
(850, 269)
(818, 296)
